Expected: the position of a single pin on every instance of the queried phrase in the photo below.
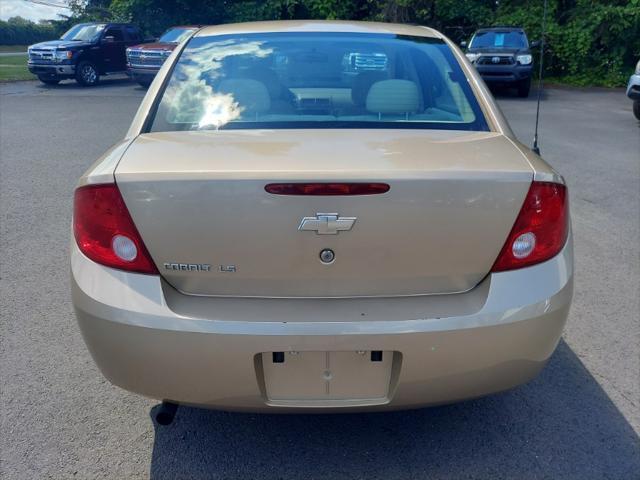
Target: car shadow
(561, 425)
(105, 81)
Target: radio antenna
(535, 147)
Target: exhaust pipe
(166, 413)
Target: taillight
(105, 232)
(541, 229)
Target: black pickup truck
(85, 52)
(502, 55)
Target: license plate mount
(327, 377)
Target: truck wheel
(87, 74)
(524, 87)
(48, 80)
(636, 109)
(144, 83)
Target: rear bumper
(150, 339)
(52, 70)
(504, 73)
(633, 87)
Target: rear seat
(252, 96)
(386, 100)
(254, 100)
(389, 100)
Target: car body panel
(152, 340)
(155, 46)
(58, 44)
(633, 87)
(454, 197)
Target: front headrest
(251, 95)
(394, 97)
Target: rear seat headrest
(251, 95)
(265, 76)
(393, 97)
(361, 85)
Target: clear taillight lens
(541, 229)
(105, 232)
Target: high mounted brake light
(105, 232)
(324, 189)
(541, 229)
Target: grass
(13, 48)
(575, 81)
(14, 68)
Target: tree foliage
(20, 31)
(589, 41)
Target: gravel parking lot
(60, 419)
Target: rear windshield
(316, 80)
(512, 39)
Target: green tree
(589, 41)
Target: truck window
(133, 34)
(116, 33)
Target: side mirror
(109, 39)
(463, 44)
(535, 44)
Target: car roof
(500, 29)
(291, 26)
(115, 24)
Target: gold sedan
(320, 216)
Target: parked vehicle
(145, 60)
(85, 52)
(633, 91)
(502, 55)
(287, 229)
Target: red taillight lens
(105, 232)
(540, 230)
(327, 188)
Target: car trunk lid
(200, 204)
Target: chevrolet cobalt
(320, 216)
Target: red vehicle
(144, 60)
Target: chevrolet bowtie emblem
(327, 223)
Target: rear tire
(524, 87)
(87, 74)
(48, 80)
(144, 83)
(636, 109)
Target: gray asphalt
(580, 419)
